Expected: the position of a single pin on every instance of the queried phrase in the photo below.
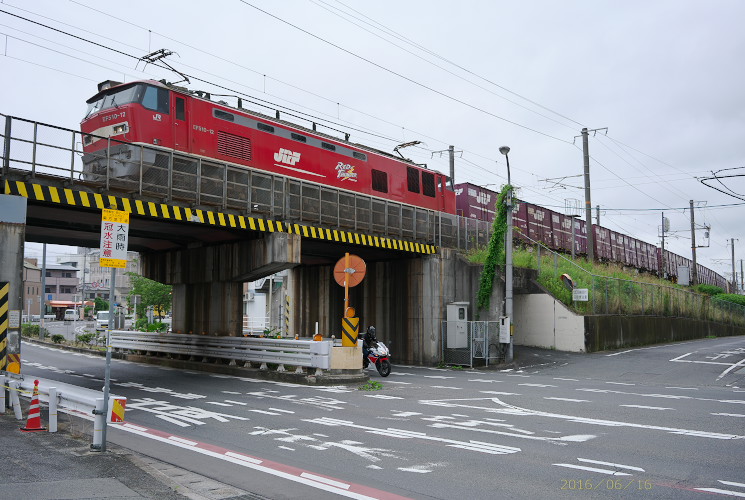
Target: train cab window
(326, 145)
(155, 99)
(265, 127)
(379, 181)
(223, 115)
(359, 156)
(298, 137)
(428, 184)
(180, 108)
(412, 177)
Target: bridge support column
(12, 237)
(208, 280)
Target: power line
(410, 80)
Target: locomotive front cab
(119, 127)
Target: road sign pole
(107, 372)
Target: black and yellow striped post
(287, 314)
(350, 328)
(4, 289)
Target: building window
(49, 274)
(379, 181)
(66, 289)
(50, 289)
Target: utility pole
(694, 274)
(734, 274)
(588, 203)
(451, 150)
(597, 214)
(664, 273)
(742, 278)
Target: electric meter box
(457, 325)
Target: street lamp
(508, 255)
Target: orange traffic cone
(34, 413)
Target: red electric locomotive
(167, 118)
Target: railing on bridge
(34, 150)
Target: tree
(101, 305)
(151, 292)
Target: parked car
(70, 315)
(102, 320)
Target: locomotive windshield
(151, 97)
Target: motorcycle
(378, 355)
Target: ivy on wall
(496, 251)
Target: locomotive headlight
(120, 129)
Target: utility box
(457, 325)
(684, 275)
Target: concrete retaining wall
(542, 321)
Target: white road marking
(594, 469)
(683, 388)
(281, 411)
(729, 415)
(731, 493)
(406, 414)
(517, 375)
(286, 448)
(736, 365)
(570, 400)
(647, 407)
(500, 393)
(610, 464)
(443, 377)
(619, 383)
(325, 480)
(231, 392)
(486, 380)
(567, 379)
(265, 412)
(443, 387)
(217, 404)
(538, 385)
(235, 402)
(680, 359)
(395, 382)
(183, 441)
(382, 396)
(414, 469)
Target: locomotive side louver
(233, 145)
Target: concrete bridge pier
(208, 280)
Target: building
(31, 288)
(61, 288)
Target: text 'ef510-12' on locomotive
(121, 117)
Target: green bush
(157, 326)
(31, 330)
(85, 338)
(141, 324)
(708, 289)
(57, 338)
(732, 297)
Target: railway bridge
(207, 227)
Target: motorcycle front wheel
(384, 367)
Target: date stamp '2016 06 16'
(606, 484)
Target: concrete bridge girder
(208, 280)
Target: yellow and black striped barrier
(4, 289)
(83, 199)
(350, 329)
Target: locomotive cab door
(180, 122)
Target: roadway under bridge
(209, 239)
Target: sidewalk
(41, 466)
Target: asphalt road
(658, 422)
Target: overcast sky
(666, 78)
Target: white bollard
(2, 397)
(14, 388)
(98, 425)
(52, 409)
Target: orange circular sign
(353, 271)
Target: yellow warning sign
(350, 328)
(117, 410)
(114, 238)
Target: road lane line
(610, 464)
(182, 440)
(594, 469)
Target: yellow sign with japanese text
(114, 238)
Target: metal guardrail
(84, 402)
(40, 151)
(299, 353)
